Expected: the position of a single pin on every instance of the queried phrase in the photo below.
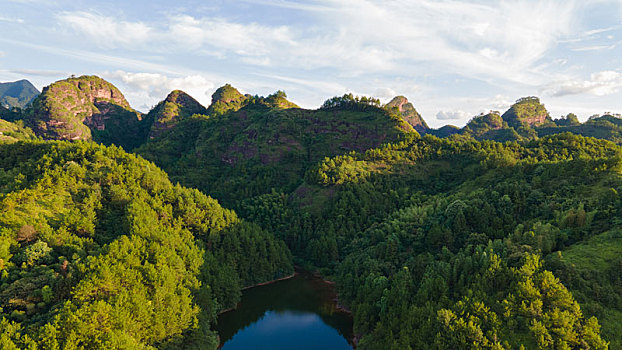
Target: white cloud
(41, 72)
(250, 39)
(107, 32)
(600, 84)
(452, 115)
(147, 89)
(11, 20)
(384, 93)
(594, 48)
(500, 40)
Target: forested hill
(177, 106)
(98, 250)
(17, 94)
(90, 108)
(453, 245)
(265, 144)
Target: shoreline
(259, 285)
(272, 281)
(315, 274)
(338, 304)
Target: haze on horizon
(452, 59)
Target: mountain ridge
(17, 94)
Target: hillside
(98, 250)
(262, 146)
(606, 127)
(439, 237)
(11, 132)
(528, 119)
(85, 108)
(7, 114)
(17, 94)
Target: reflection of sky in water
(288, 330)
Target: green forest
(503, 234)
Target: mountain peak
(409, 113)
(526, 111)
(84, 108)
(17, 94)
(95, 89)
(226, 98)
(226, 93)
(177, 106)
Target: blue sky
(452, 59)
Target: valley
(123, 230)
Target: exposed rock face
(527, 111)
(409, 113)
(226, 98)
(83, 108)
(177, 106)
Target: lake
(297, 313)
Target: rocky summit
(409, 113)
(84, 108)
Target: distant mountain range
(17, 94)
(255, 133)
(90, 108)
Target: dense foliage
(247, 153)
(526, 111)
(165, 115)
(10, 132)
(438, 243)
(349, 101)
(226, 98)
(98, 250)
(607, 127)
(435, 243)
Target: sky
(452, 59)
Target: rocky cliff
(409, 113)
(85, 108)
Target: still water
(298, 313)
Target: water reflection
(299, 313)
